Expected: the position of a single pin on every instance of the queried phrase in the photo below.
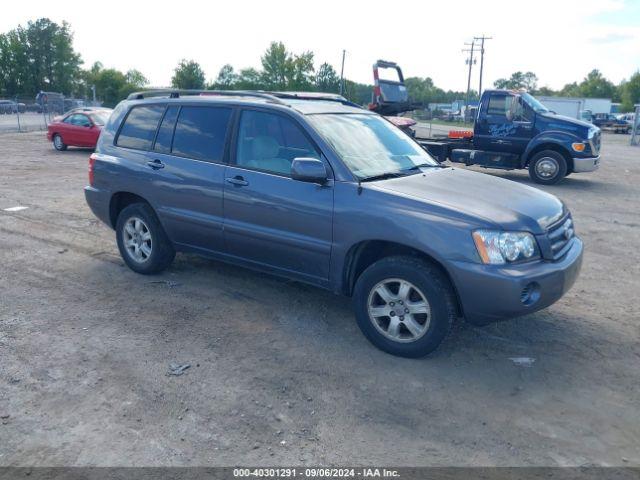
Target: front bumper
(586, 164)
(492, 292)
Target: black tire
(554, 160)
(58, 144)
(161, 253)
(430, 282)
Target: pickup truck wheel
(58, 144)
(404, 306)
(143, 244)
(547, 167)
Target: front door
(505, 125)
(79, 130)
(270, 219)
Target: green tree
(226, 79)
(517, 81)
(630, 92)
(136, 79)
(545, 91)
(595, 85)
(327, 79)
(282, 70)
(38, 57)
(277, 66)
(112, 85)
(188, 75)
(250, 79)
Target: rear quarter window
(139, 127)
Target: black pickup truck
(513, 130)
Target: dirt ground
(280, 373)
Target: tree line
(40, 56)
(594, 85)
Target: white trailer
(574, 106)
(569, 107)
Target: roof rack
(275, 97)
(330, 97)
(177, 93)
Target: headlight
(497, 247)
(592, 132)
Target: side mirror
(309, 170)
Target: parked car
(11, 107)
(335, 196)
(608, 121)
(77, 128)
(513, 130)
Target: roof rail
(177, 93)
(330, 97)
(275, 97)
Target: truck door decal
(502, 129)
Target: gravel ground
(280, 373)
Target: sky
(559, 40)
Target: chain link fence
(22, 113)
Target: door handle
(155, 164)
(237, 181)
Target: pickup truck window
(534, 103)
(140, 127)
(371, 146)
(498, 105)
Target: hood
(561, 122)
(506, 204)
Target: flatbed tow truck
(512, 130)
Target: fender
(560, 138)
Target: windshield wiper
(383, 176)
(425, 165)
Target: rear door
(503, 125)
(270, 219)
(186, 163)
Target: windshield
(100, 118)
(534, 103)
(369, 145)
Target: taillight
(92, 163)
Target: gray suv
(313, 188)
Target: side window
(140, 127)
(498, 105)
(200, 133)
(165, 133)
(270, 142)
(78, 120)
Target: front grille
(560, 236)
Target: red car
(77, 128)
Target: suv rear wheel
(143, 244)
(404, 306)
(547, 167)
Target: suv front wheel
(143, 244)
(404, 306)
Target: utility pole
(482, 39)
(342, 73)
(469, 61)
